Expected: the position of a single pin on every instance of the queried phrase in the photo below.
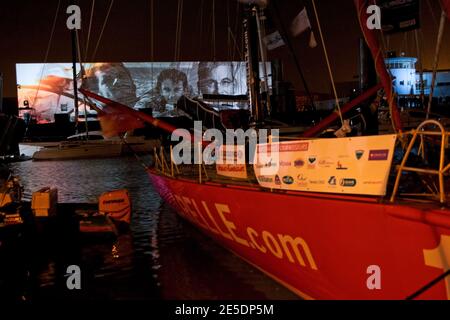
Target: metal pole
(199, 146)
(262, 49)
(171, 160)
(436, 61)
(419, 57)
(74, 75)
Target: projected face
(115, 85)
(218, 80)
(155, 85)
(172, 90)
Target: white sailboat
(94, 145)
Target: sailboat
(334, 219)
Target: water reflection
(161, 257)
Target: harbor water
(160, 257)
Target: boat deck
(209, 176)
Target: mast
(74, 75)
(251, 58)
(1, 92)
(420, 65)
(262, 49)
(380, 66)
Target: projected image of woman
(171, 85)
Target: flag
(300, 23)
(273, 40)
(312, 40)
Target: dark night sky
(25, 27)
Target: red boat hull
(322, 246)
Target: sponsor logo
(266, 165)
(298, 146)
(332, 181)
(372, 182)
(277, 180)
(288, 180)
(284, 147)
(378, 155)
(359, 154)
(285, 163)
(317, 181)
(347, 182)
(299, 163)
(326, 163)
(302, 181)
(312, 162)
(265, 179)
(231, 167)
(340, 166)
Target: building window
(402, 83)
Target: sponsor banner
(357, 165)
(232, 162)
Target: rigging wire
(152, 32)
(229, 48)
(237, 49)
(82, 73)
(200, 28)
(47, 51)
(328, 63)
(236, 29)
(214, 29)
(103, 29)
(178, 30)
(433, 15)
(152, 39)
(436, 60)
(89, 30)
